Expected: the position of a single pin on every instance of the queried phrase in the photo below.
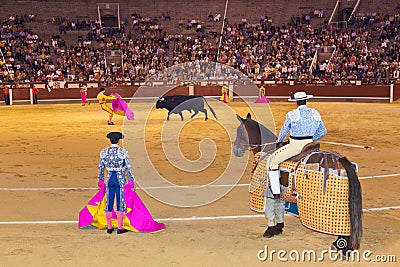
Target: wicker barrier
(258, 183)
(326, 212)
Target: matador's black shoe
(110, 123)
(109, 231)
(122, 231)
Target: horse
(255, 137)
(260, 139)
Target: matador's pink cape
(120, 107)
(136, 219)
(262, 100)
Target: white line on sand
(139, 188)
(162, 187)
(193, 218)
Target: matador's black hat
(102, 89)
(115, 136)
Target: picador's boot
(274, 179)
(279, 228)
(270, 232)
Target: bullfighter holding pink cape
(119, 106)
(131, 214)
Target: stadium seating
(260, 38)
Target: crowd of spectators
(198, 71)
(367, 48)
(23, 54)
(67, 24)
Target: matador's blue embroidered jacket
(115, 158)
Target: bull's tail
(212, 111)
(355, 204)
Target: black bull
(178, 103)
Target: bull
(178, 103)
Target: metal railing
(354, 9)
(334, 11)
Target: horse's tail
(212, 111)
(355, 204)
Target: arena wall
(321, 92)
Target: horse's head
(251, 135)
(241, 143)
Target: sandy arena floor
(57, 146)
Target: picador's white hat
(299, 96)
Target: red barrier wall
(380, 93)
